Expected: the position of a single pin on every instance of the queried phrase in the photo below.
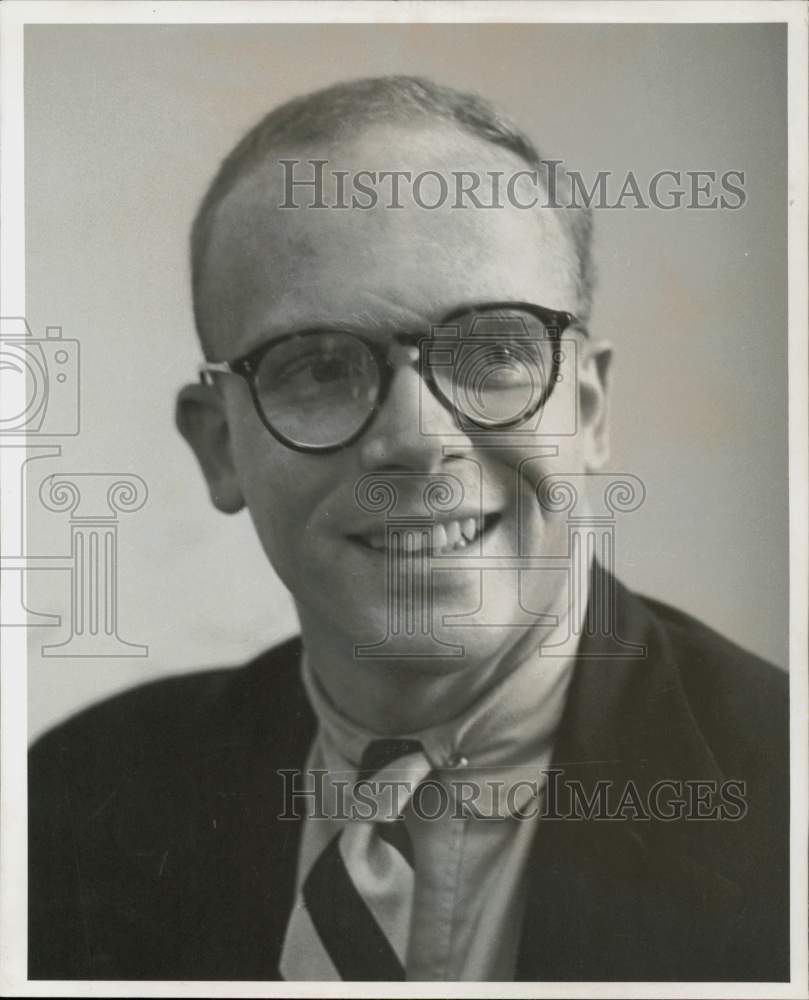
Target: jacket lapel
(623, 899)
(626, 898)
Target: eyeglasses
(493, 366)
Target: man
(461, 770)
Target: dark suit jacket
(156, 851)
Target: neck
(398, 696)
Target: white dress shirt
(469, 886)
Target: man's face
(271, 271)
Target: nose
(412, 428)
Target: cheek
(281, 488)
(539, 476)
(526, 466)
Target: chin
(419, 660)
(442, 652)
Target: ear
(594, 371)
(202, 421)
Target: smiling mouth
(437, 539)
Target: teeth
(444, 537)
(440, 537)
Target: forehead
(270, 269)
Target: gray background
(125, 126)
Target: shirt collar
(506, 734)
(511, 725)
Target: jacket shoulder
(152, 728)
(134, 802)
(186, 698)
(740, 701)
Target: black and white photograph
(404, 477)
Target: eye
(502, 353)
(325, 369)
(497, 365)
(321, 366)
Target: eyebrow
(368, 323)
(363, 322)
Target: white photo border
(14, 16)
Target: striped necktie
(351, 920)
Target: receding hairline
(341, 113)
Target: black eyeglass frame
(555, 321)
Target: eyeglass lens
(318, 389)
(500, 366)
